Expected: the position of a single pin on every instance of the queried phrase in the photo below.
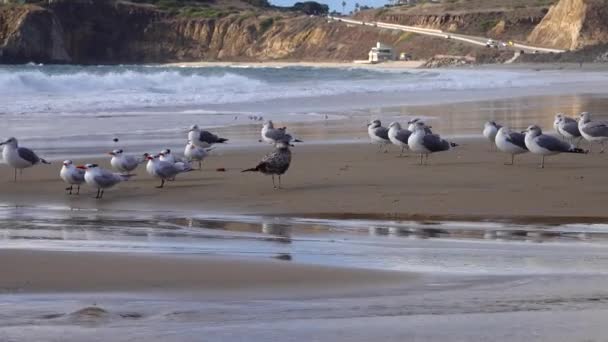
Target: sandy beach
(358, 245)
(354, 180)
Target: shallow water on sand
(471, 280)
(436, 247)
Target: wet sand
(342, 180)
(60, 271)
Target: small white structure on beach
(380, 53)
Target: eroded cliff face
(573, 24)
(513, 24)
(113, 32)
(29, 33)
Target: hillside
(111, 32)
(500, 19)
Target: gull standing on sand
(511, 142)
(72, 175)
(273, 135)
(424, 143)
(124, 163)
(202, 138)
(398, 136)
(275, 163)
(593, 131)
(19, 157)
(102, 179)
(378, 134)
(490, 129)
(547, 145)
(165, 170)
(567, 127)
(195, 153)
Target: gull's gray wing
(596, 129)
(106, 179)
(571, 127)
(403, 135)
(552, 143)
(382, 132)
(29, 155)
(166, 170)
(518, 139)
(434, 143)
(210, 138)
(568, 119)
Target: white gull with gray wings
(272, 135)
(102, 179)
(567, 127)
(72, 175)
(593, 131)
(510, 142)
(398, 136)
(378, 134)
(19, 158)
(424, 143)
(124, 163)
(165, 170)
(202, 138)
(546, 145)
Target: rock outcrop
(30, 33)
(573, 24)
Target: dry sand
(354, 180)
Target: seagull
(412, 125)
(203, 138)
(567, 127)
(166, 155)
(73, 175)
(272, 135)
(424, 143)
(511, 142)
(19, 157)
(165, 170)
(275, 163)
(378, 134)
(398, 136)
(490, 129)
(195, 153)
(102, 179)
(547, 145)
(124, 163)
(593, 131)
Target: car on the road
(491, 44)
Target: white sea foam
(36, 89)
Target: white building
(381, 53)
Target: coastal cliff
(113, 32)
(573, 24)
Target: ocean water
(79, 109)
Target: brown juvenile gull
(275, 163)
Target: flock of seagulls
(535, 141)
(418, 137)
(164, 166)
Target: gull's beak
(112, 153)
(369, 124)
(82, 167)
(3, 143)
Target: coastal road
(474, 40)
